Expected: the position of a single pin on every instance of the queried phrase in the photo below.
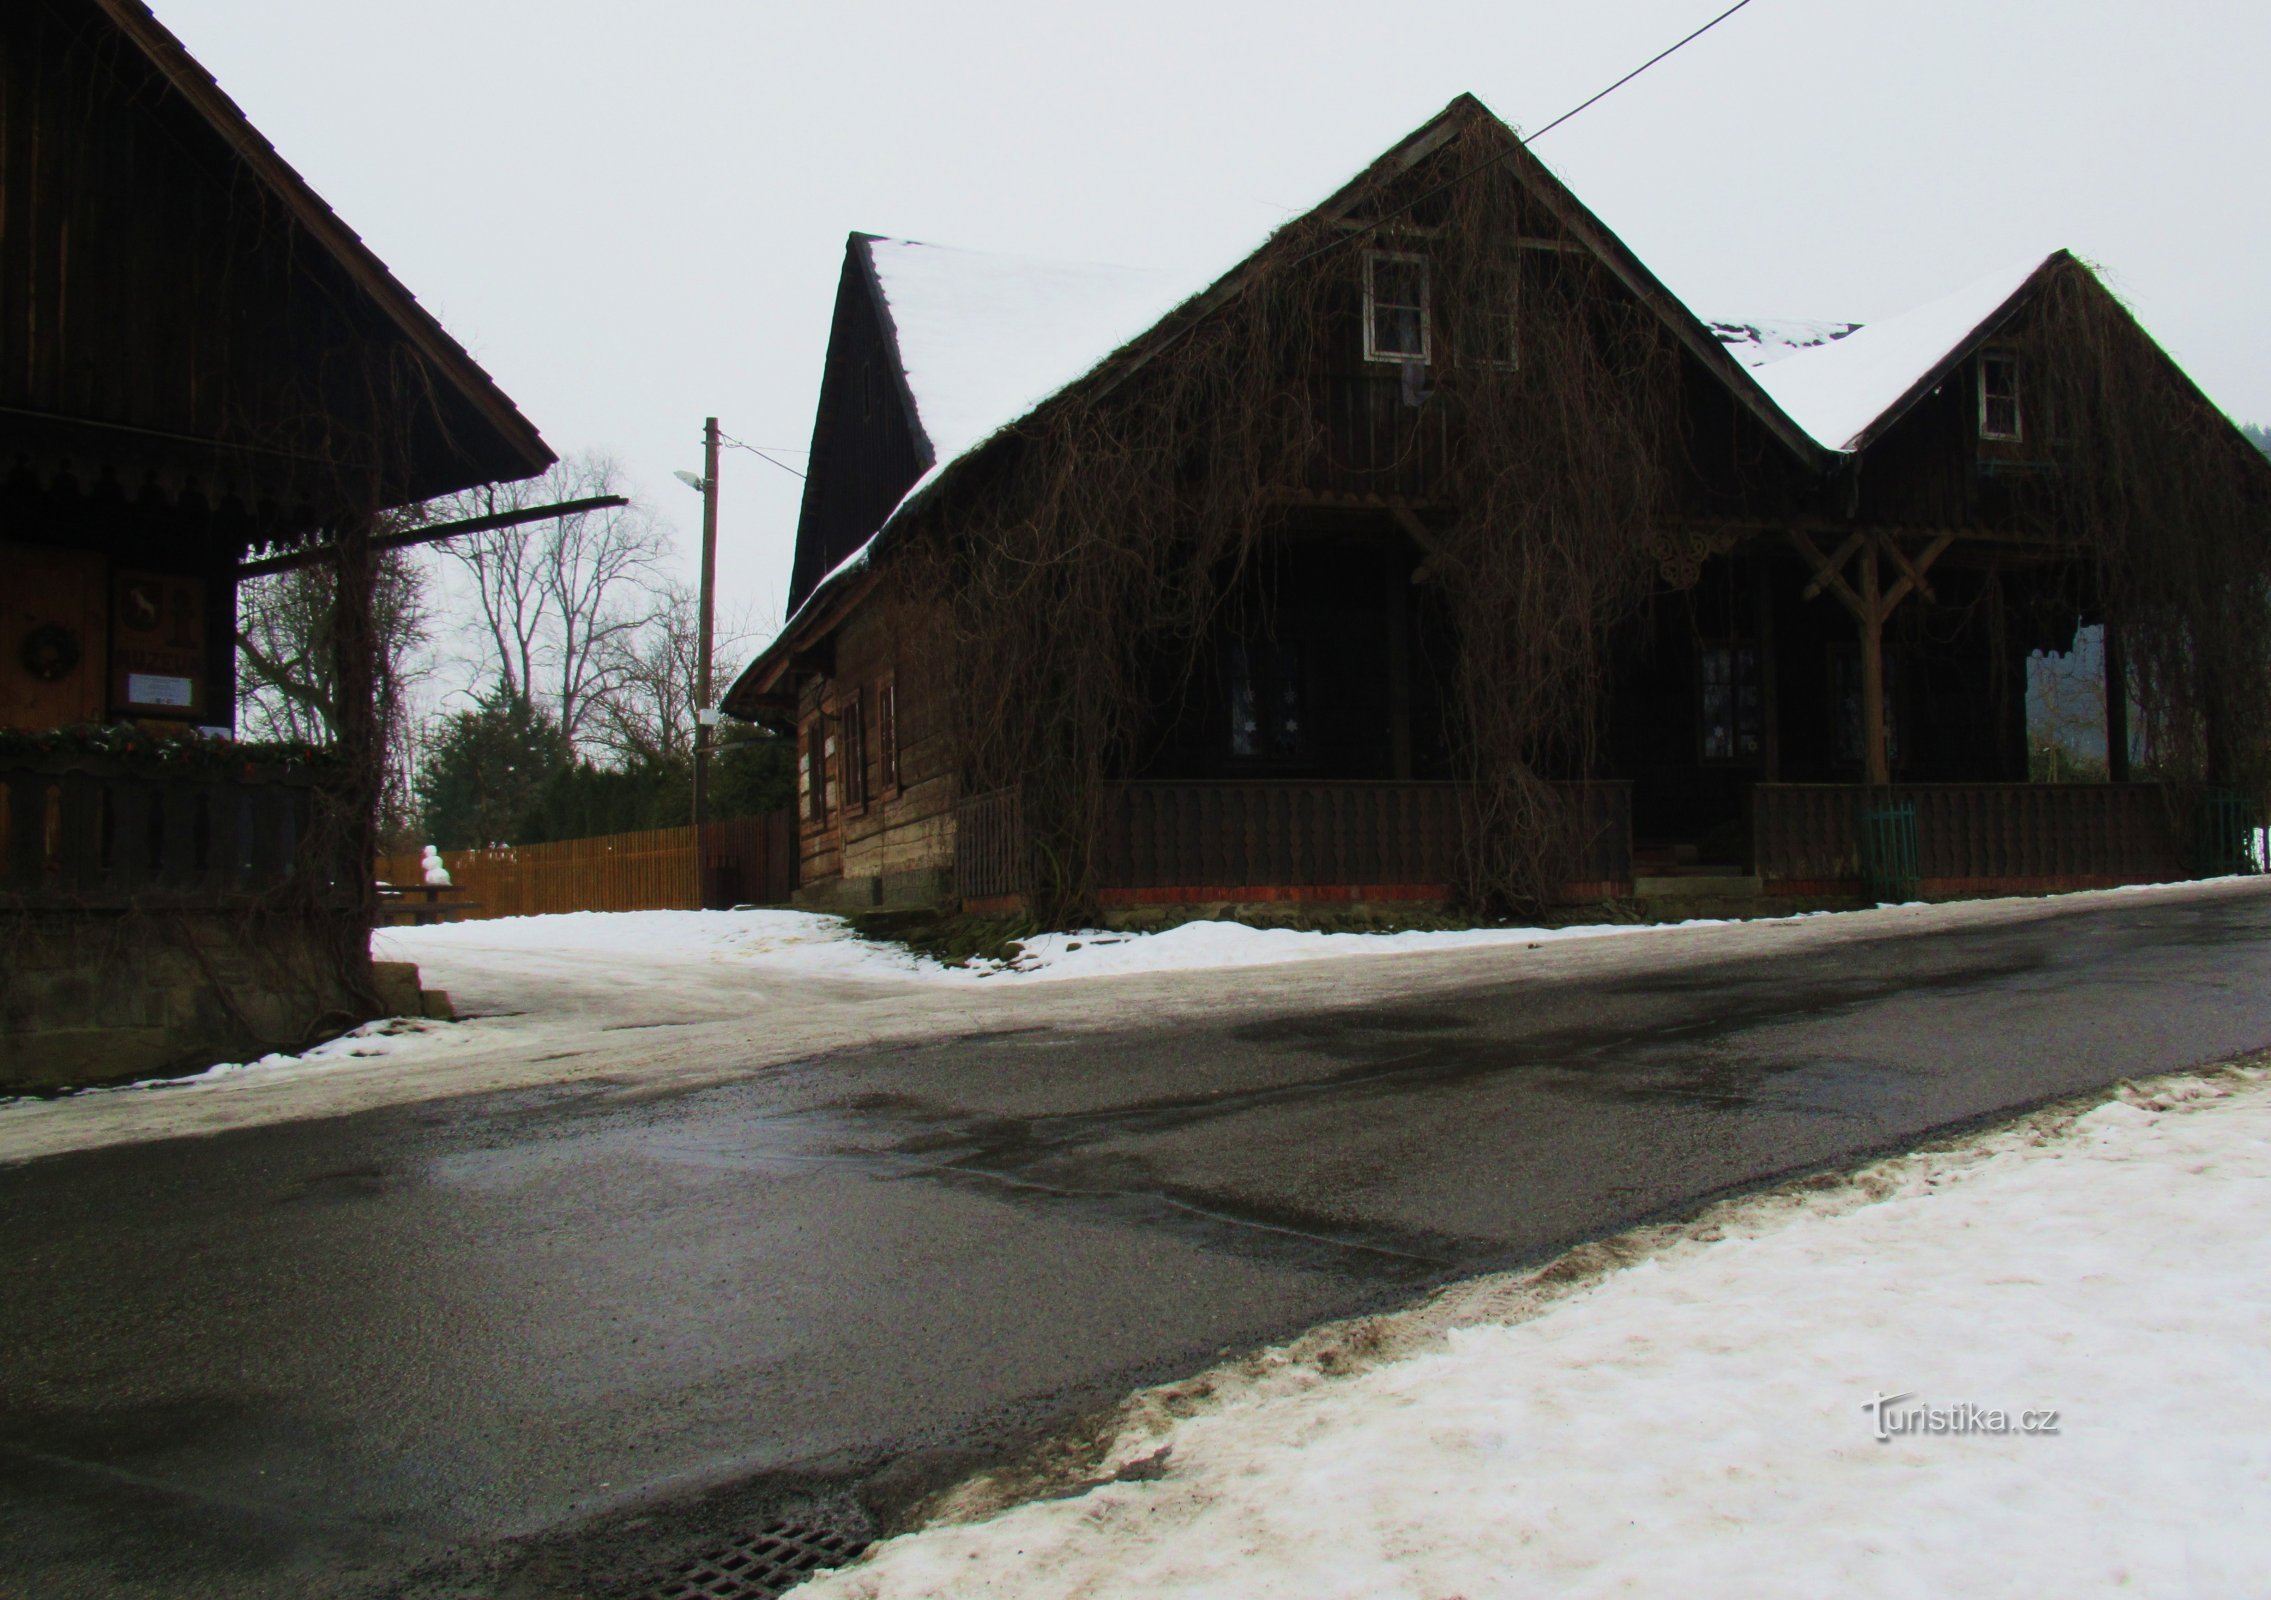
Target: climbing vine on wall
(1085, 561)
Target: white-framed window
(1998, 395)
(1395, 307)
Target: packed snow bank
(810, 943)
(2032, 1365)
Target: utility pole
(704, 716)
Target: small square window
(1998, 395)
(1395, 307)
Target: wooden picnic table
(423, 903)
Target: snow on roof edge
(1842, 391)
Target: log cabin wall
(875, 741)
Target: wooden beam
(1769, 676)
(1827, 572)
(1396, 598)
(434, 532)
(2116, 704)
(1877, 767)
(1919, 531)
(1438, 553)
(1912, 572)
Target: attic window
(1998, 395)
(1395, 307)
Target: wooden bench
(421, 904)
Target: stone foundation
(108, 996)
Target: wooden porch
(1202, 843)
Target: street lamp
(704, 718)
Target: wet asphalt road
(539, 1343)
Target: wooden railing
(1977, 836)
(1230, 840)
(99, 831)
(749, 860)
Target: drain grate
(757, 1566)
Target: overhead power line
(762, 455)
(1524, 143)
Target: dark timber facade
(1838, 635)
(200, 365)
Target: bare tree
(648, 715)
(287, 689)
(561, 600)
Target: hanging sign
(157, 646)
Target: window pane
(1718, 725)
(1399, 283)
(1396, 332)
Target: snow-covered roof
(1756, 344)
(983, 339)
(1839, 390)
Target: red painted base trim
(996, 905)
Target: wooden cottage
(200, 366)
(1437, 551)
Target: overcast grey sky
(633, 214)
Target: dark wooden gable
(181, 317)
(1927, 462)
(867, 449)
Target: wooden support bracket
(1829, 570)
(1438, 554)
(1912, 572)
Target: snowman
(437, 875)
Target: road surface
(544, 1340)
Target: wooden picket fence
(750, 860)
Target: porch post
(2116, 704)
(1397, 598)
(1769, 677)
(1876, 768)
(354, 646)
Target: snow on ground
(1701, 1421)
(811, 943)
